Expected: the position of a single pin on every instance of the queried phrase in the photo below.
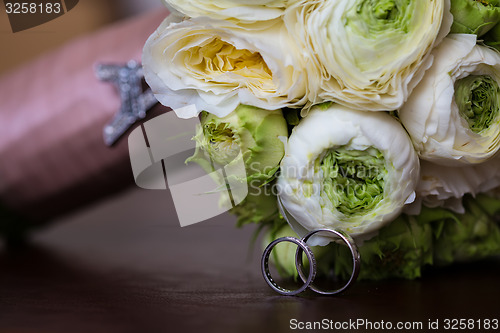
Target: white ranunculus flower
(216, 65)
(368, 53)
(442, 186)
(347, 169)
(242, 10)
(453, 115)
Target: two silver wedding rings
(308, 277)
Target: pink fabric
(52, 112)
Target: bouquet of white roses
(380, 118)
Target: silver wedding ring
(355, 257)
(267, 274)
(302, 247)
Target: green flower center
(380, 31)
(222, 143)
(353, 180)
(385, 10)
(370, 18)
(491, 3)
(477, 98)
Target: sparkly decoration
(134, 102)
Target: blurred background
(125, 228)
(105, 257)
(85, 227)
(88, 16)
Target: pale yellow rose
(214, 65)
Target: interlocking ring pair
(302, 247)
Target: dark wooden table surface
(126, 266)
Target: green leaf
(474, 16)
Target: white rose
(453, 115)
(216, 65)
(442, 186)
(242, 10)
(347, 169)
(367, 53)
